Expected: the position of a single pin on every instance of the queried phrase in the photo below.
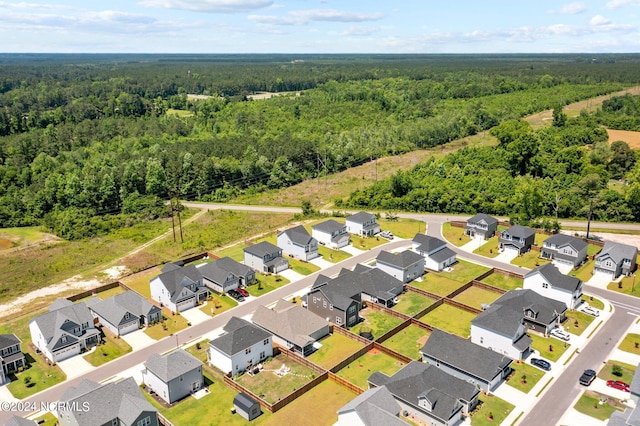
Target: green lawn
(606, 373)
(335, 348)
(266, 283)
(408, 341)
(530, 260)
(179, 112)
(235, 252)
(464, 271)
(450, 319)
(367, 243)
(626, 285)
(403, 227)
(531, 373)
(578, 318)
(410, 303)
(631, 343)
(373, 361)
(111, 348)
(489, 248)
(502, 281)
(302, 267)
(493, 411)
(218, 304)
(593, 249)
(584, 272)
(476, 297)
(376, 322)
(166, 327)
(436, 283)
(539, 239)
(594, 302)
(41, 376)
(140, 282)
(331, 255)
(549, 348)
(454, 235)
(18, 237)
(589, 404)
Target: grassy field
(584, 272)
(578, 318)
(454, 235)
(373, 361)
(464, 271)
(376, 322)
(631, 343)
(403, 228)
(589, 404)
(489, 248)
(111, 348)
(549, 348)
(450, 319)
(492, 411)
(504, 282)
(594, 302)
(410, 303)
(476, 297)
(140, 282)
(531, 375)
(530, 260)
(437, 283)
(628, 370)
(335, 348)
(236, 251)
(11, 238)
(408, 341)
(166, 327)
(302, 267)
(333, 256)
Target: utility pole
(179, 220)
(173, 223)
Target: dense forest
(93, 142)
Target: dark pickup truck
(587, 377)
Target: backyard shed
(246, 406)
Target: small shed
(246, 406)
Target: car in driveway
(590, 311)
(560, 334)
(386, 234)
(587, 377)
(243, 292)
(617, 384)
(541, 363)
(236, 295)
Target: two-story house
(435, 252)
(565, 249)
(548, 281)
(125, 312)
(616, 259)
(517, 238)
(405, 266)
(178, 287)
(298, 243)
(217, 278)
(173, 376)
(363, 224)
(11, 356)
(64, 331)
(481, 226)
(265, 257)
(373, 406)
(331, 233)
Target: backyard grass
(580, 318)
(628, 370)
(437, 283)
(111, 348)
(493, 411)
(594, 302)
(367, 243)
(454, 235)
(110, 293)
(376, 322)
(530, 260)
(502, 281)
(409, 341)
(235, 252)
(41, 376)
(539, 239)
(549, 348)
(333, 256)
(167, 326)
(450, 319)
(358, 371)
(631, 343)
(464, 271)
(531, 373)
(271, 387)
(593, 249)
(140, 282)
(626, 285)
(489, 248)
(218, 304)
(266, 283)
(410, 303)
(476, 297)
(589, 404)
(584, 272)
(403, 227)
(334, 349)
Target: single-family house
(429, 394)
(466, 360)
(375, 406)
(548, 281)
(178, 287)
(340, 299)
(218, 279)
(113, 403)
(331, 233)
(242, 346)
(297, 242)
(293, 327)
(125, 312)
(565, 249)
(481, 226)
(246, 406)
(517, 238)
(405, 266)
(616, 259)
(246, 275)
(630, 416)
(19, 421)
(173, 376)
(11, 356)
(363, 224)
(64, 331)
(265, 257)
(435, 251)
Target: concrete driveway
(76, 365)
(321, 262)
(506, 256)
(138, 340)
(563, 267)
(600, 280)
(195, 315)
(291, 275)
(352, 250)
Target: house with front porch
(11, 356)
(518, 238)
(363, 224)
(616, 259)
(564, 249)
(246, 275)
(173, 376)
(405, 266)
(435, 252)
(179, 287)
(298, 243)
(265, 257)
(331, 233)
(218, 279)
(125, 312)
(481, 226)
(548, 281)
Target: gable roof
(361, 217)
(400, 260)
(290, 322)
(244, 401)
(465, 356)
(176, 278)
(7, 340)
(556, 278)
(60, 322)
(375, 407)
(482, 217)
(19, 421)
(618, 252)
(330, 226)
(240, 335)
(172, 365)
(114, 308)
(233, 266)
(215, 273)
(427, 243)
(561, 240)
(262, 248)
(520, 231)
(442, 255)
(298, 235)
(59, 303)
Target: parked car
(236, 295)
(587, 377)
(617, 384)
(541, 363)
(386, 234)
(243, 292)
(590, 311)
(560, 334)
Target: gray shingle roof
(489, 220)
(299, 235)
(114, 308)
(233, 266)
(561, 240)
(7, 340)
(175, 279)
(19, 421)
(442, 255)
(400, 260)
(556, 278)
(290, 322)
(262, 248)
(465, 356)
(60, 322)
(244, 401)
(618, 252)
(427, 243)
(330, 226)
(172, 365)
(519, 231)
(240, 334)
(375, 407)
(215, 273)
(361, 217)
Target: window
(352, 309)
(265, 342)
(262, 355)
(145, 422)
(545, 285)
(181, 377)
(315, 299)
(338, 320)
(481, 340)
(247, 351)
(324, 304)
(331, 306)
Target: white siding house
(173, 376)
(298, 243)
(363, 224)
(331, 233)
(265, 257)
(178, 288)
(405, 266)
(435, 251)
(549, 282)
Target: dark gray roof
(520, 231)
(561, 240)
(442, 255)
(215, 273)
(330, 226)
(233, 266)
(244, 401)
(60, 322)
(634, 386)
(172, 365)
(299, 235)
(361, 217)
(290, 322)
(556, 278)
(427, 243)
(122, 400)
(175, 279)
(114, 308)
(19, 421)
(240, 335)
(375, 407)
(618, 252)
(465, 356)
(59, 304)
(480, 217)
(262, 248)
(400, 260)
(7, 340)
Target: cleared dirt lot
(631, 138)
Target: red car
(243, 292)
(616, 384)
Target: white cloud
(614, 4)
(599, 20)
(572, 8)
(273, 20)
(335, 15)
(360, 31)
(40, 6)
(210, 6)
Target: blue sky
(319, 26)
